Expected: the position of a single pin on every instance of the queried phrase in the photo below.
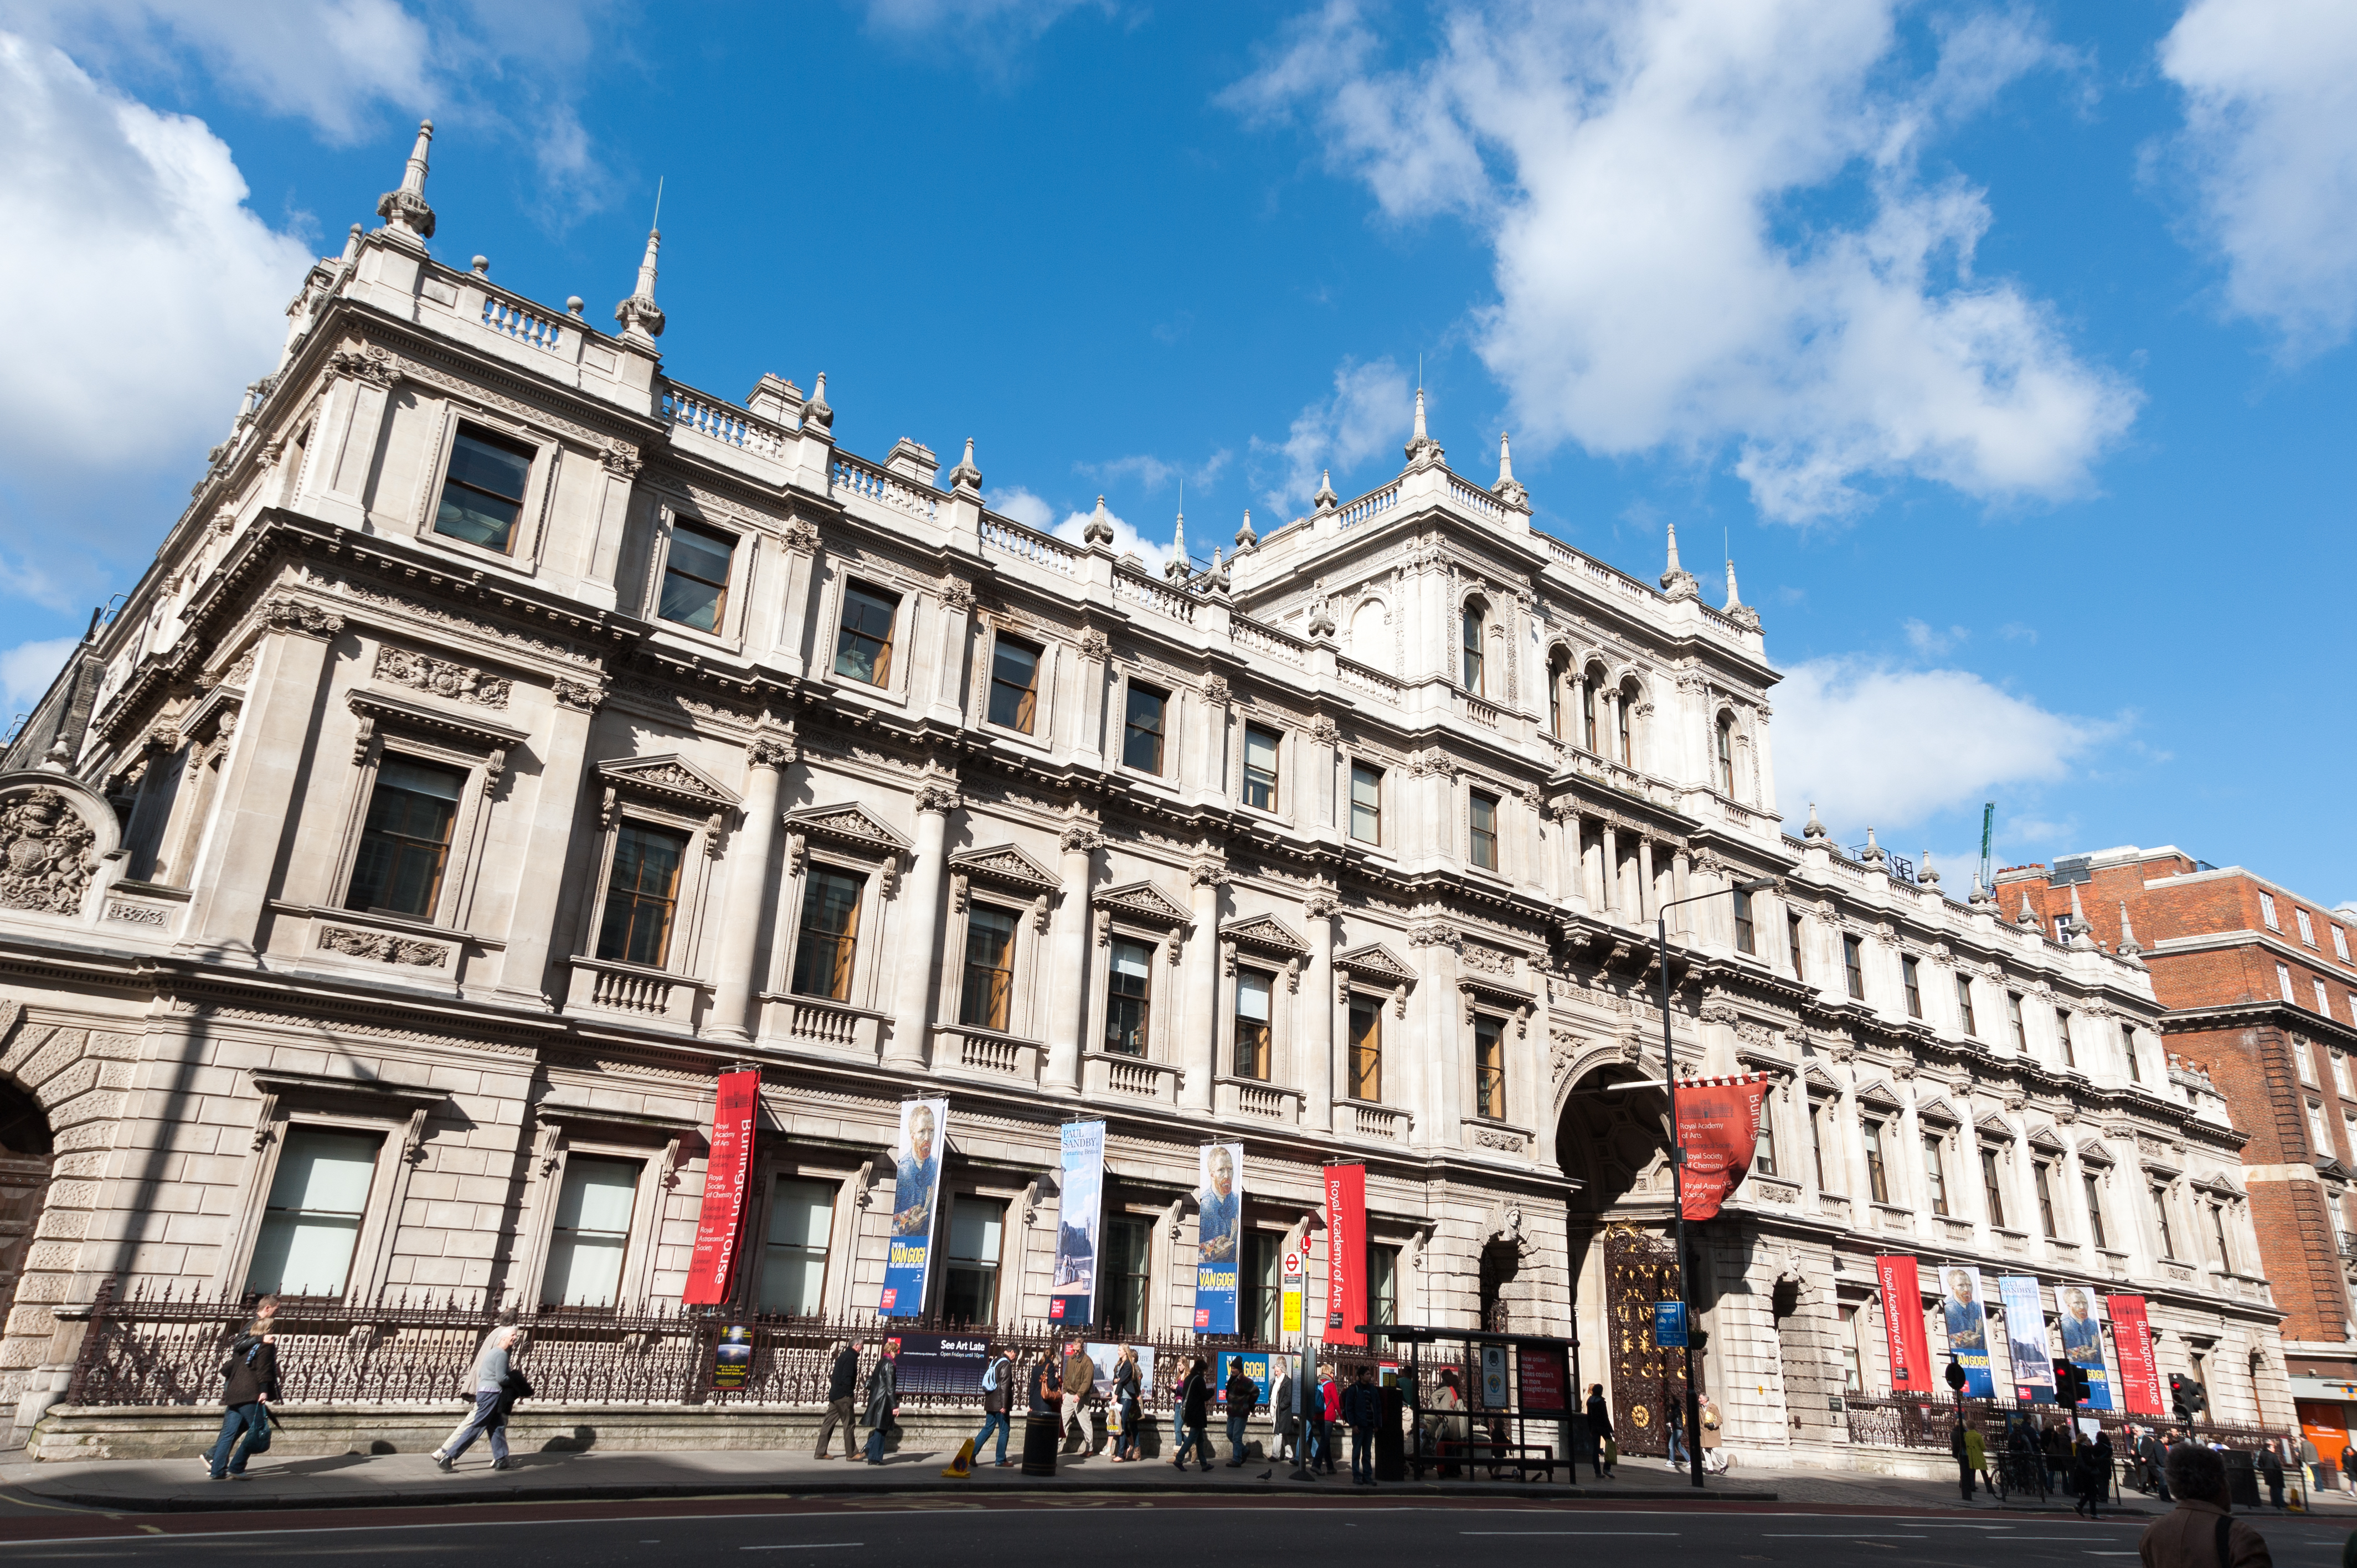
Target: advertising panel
(1967, 1315)
(916, 1186)
(2025, 1337)
(1072, 1290)
(2083, 1341)
(2132, 1340)
(1346, 1254)
(1719, 1125)
(735, 1108)
(1220, 1233)
(1902, 1326)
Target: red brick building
(2261, 985)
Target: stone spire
(965, 476)
(1981, 897)
(1246, 540)
(818, 415)
(1421, 448)
(1676, 581)
(2082, 933)
(1508, 489)
(1178, 566)
(2028, 918)
(1100, 527)
(641, 318)
(1325, 499)
(1218, 575)
(2129, 948)
(1738, 612)
(404, 211)
(1873, 855)
(1816, 831)
(1924, 875)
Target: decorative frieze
(384, 947)
(441, 677)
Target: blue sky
(2004, 345)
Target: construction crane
(1988, 826)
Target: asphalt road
(1110, 1532)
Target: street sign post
(1669, 1324)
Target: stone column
(1318, 777)
(1647, 893)
(1089, 685)
(1682, 887)
(532, 922)
(1198, 1050)
(1317, 1010)
(1068, 955)
(736, 976)
(1610, 861)
(917, 934)
(793, 633)
(1571, 857)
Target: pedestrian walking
(1960, 1444)
(1079, 1381)
(250, 1384)
(491, 1380)
(1679, 1457)
(2057, 1451)
(2349, 1463)
(1284, 1424)
(2271, 1471)
(1194, 1414)
(1329, 1416)
(1714, 1457)
(1976, 1451)
(1242, 1395)
(1445, 1428)
(1128, 1405)
(2091, 1475)
(2200, 1531)
(997, 1397)
(841, 1397)
(883, 1400)
(1599, 1433)
(1361, 1409)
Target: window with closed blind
(793, 1261)
(592, 1233)
(319, 1196)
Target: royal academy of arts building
(510, 739)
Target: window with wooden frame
(1625, 710)
(1125, 1260)
(2160, 1219)
(1935, 1175)
(1129, 997)
(1853, 966)
(405, 839)
(1489, 1067)
(2095, 1187)
(987, 996)
(1014, 684)
(1260, 767)
(695, 576)
(829, 936)
(1992, 1186)
(2014, 1023)
(1747, 938)
(970, 1281)
(1481, 815)
(1366, 1078)
(863, 639)
(2063, 1041)
(1964, 1016)
(2041, 1174)
(1910, 979)
(1255, 990)
(483, 489)
(1366, 803)
(1143, 714)
(1723, 734)
(641, 894)
(1764, 1147)
(1470, 624)
(1591, 696)
(1796, 944)
(1878, 1179)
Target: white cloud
(1152, 473)
(1876, 743)
(1372, 408)
(2271, 148)
(1650, 178)
(25, 671)
(1930, 641)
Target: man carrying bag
(252, 1374)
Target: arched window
(1726, 753)
(1558, 675)
(1628, 701)
(1472, 670)
(1591, 693)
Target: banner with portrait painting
(2082, 1333)
(1965, 1314)
(1072, 1290)
(1220, 1197)
(916, 1192)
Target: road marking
(1669, 1533)
(1842, 1535)
(804, 1546)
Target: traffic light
(2071, 1386)
(1956, 1375)
(2186, 1396)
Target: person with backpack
(1362, 1410)
(252, 1383)
(841, 1389)
(998, 1400)
(490, 1388)
(883, 1400)
(2201, 1532)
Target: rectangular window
(793, 1263)
(405, 839)
(2317, 1137)
(2218, 1231)
(1367, 1048)
(2341, 1073)
(2267, 911)
(1125, 1262)
(1991, 1190)
(1014, 684)
(2062, 1038)
(1817, 1114)
(483, 494)
(2307, 926)
(1383, 1284)
(2302, 1060)
(1366, 803)
(989, 989)
(642, 894)
(2283, 981)
(863, 643)
(1253, 988)
(2013, 1022)
(1141, 731)
(1936, 1178)
(2128, 1053)
(2063, 929)
(2341, 944)
(1129, 997)
(1489, 1068)
(2094, 1186)
(1792, 944)
(1258, 1285)
(1747, 938)
(1260, 769)
(695, 577)
(1482, 814)
(1469, 624)
(1877, 1179)
(591, 1233)
(970, 1283)
(2323, 999)
(313, 1217)
(830, 933)
(2160, 1220)
(2042, 1173)
(1853, 1374)
(1912, 979)
(1764, 1148)
(1964, 1006)
(1853, 966)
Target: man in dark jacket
(1599, 1429)
(842, 1393)
(997, 1399)
(1194, 1414)
(883, 1399)
(252, 1373)
(1243, 1394)
(1363, 1409)
(2203, 1532)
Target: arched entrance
(25, 1153)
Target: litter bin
(1391, 1454)
(1042, 1435)
(2241, 1478)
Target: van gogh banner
(1219, 1232)
(915, 1189)
(2083, 1342)
(1718, 1126)
(2024, 1338)
(1072, 1289)
(1346, 1254)
(1902, 1326)
(1967, 1320)
(2131, 1338)
(1261, 1366)
(722, 1218)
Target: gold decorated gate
(1640, 1269)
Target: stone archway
(25, 1154)
(1614, 1144)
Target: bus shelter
(1478, 1400)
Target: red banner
(2132, 1337)
(1346, 1254)
(724, 1170)
(1902, 1326)
(1718, 1122)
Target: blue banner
(1967, 1315)
(1072, 1290)
(1219, 1233)
(1260, 1366)
(916, 1187)
(2082, 1334)
(1669, 1324)
(2024, 1338)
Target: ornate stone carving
(288, 614)
(1513, 1143)
(1490, 961)
(620, 459)
(135, 913)
(1432, 761)
(1215, 691)
(938, 795)
(800, 535)
(1208, 872)
(384, 947)
(1079, 838)
(442, 677)
(370, 364)
(46, 862)
(1322, 902)
(579, 695)
(1096, 644)
(1325, 731)
(770, 752)
(1433, 933)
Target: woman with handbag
(1126, 1411)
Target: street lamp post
(1678, 1157)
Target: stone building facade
(508, 737)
